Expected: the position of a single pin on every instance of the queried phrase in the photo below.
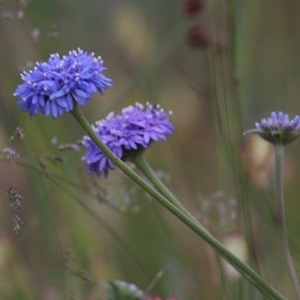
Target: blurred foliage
(78, 232)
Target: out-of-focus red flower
(198, 37)
(192, 7)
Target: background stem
(280, 217)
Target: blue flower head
(129, 132)
(55, 86)
(278, 128)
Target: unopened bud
(192, 7)
(198, 37)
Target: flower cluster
(131, 131)
(10, 154)
(278, 128)
(55, 86)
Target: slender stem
(201, 231)
(146, 169)
(228, 123)
(281, 221)
(233, 32)
(223, 278)
(238, 118)
(245, 207)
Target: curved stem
(201, 231)
(280, 218)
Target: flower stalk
(201, 231)
(280, 217)
(279, 130)
(146, 169)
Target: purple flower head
(55, 86)
(278, 128)
(124, 134)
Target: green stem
(245, 208)
(201, 231)
(281, 222)
(238, 117)
(233, 32)
(145, 168)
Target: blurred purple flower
(278, 128)
(55, 86)
(131, 131)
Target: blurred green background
(80, 232)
